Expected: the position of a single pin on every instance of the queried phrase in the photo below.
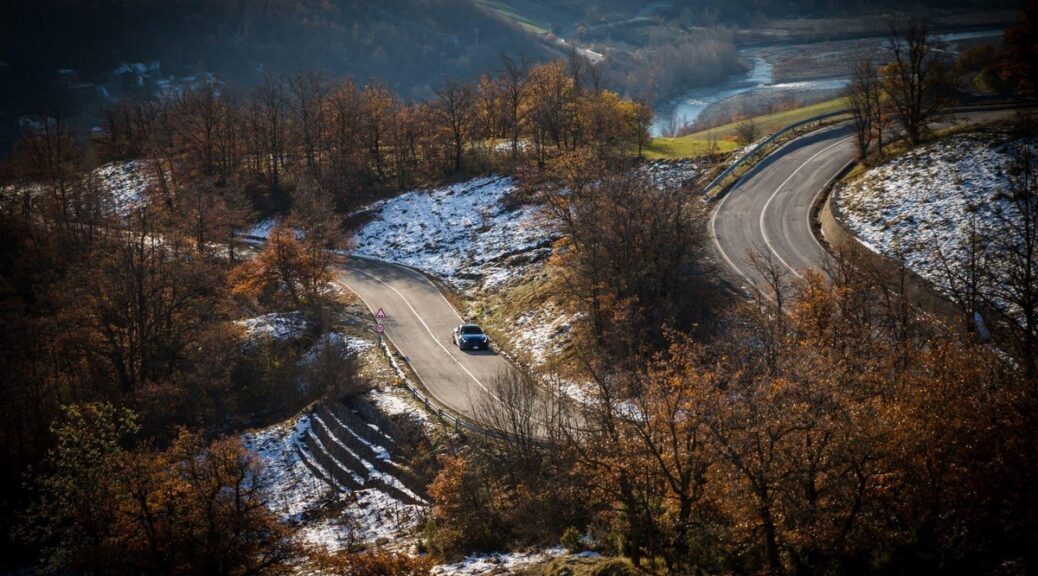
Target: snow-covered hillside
(461, 233)
(921, 206)
(542, 332)
(497, 564)
(124, 184)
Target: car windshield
(471, 330)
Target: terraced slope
(351, 446)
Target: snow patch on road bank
(487, 564)
(543, 332)
(672, 173)
(924, 204)
(347, 345)
(463, 233)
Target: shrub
(572, 540)
(615, 567)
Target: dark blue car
(470, 337)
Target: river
(686, 109)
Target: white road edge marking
(713, 219)
(427, 329)
(724, 255)
(417, 272)
(767, 204)
(814, 200)
(372, 310)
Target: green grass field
(685, 147)
(533, 17)
(698, 143)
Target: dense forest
(824, 427)
(73, 57)
(123, 318)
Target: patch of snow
(542, 332)
(294, 489)
(139, 70)
(923, 204)
(497, 563)
(276, 325)
(577, 392)
(399, 401)
(506, 146)
(125, 184)
(587, 553)
(369, 468)
(671, 173)
(261, 229)
(348, 345)
(461, 233)
(122, 184)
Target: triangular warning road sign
(380, 314)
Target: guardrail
(432, 406)
(978, 104)
(760, 146)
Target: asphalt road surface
(768, 211)
(419, 321)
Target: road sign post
(379, 328)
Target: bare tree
(966, 281)
(775, 275)
(344, 134)
(640, 119)
(1016, 251)
(270, 102)
(513, 80)
(379, 107)
(917, 81)
(197, 123)
(864, 94)
(308, 93)
(514, 405)
(454, 111)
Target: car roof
(469, 325)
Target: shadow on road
(480, 352)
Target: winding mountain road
(768, 210)
(418, 322)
